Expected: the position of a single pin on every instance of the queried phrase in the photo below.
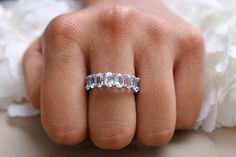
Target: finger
(189, 84)
(63, 96)
(112, 113)
(32, 66)
(112, 116)
(156, 99)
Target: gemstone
(136, 84)
(132, 78)
(128, 81)
(92, 81)
(119, 80)
(88, 82)
(99, 80)
(108, 79)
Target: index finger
(63, 94)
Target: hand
(148, 41)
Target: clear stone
(128, 81)
(119, 80)
(88, 82)
(92, 81)
(136, 84)
(132, 78)
(108, 79)
(99, 80)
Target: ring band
(109, 79)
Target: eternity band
(109, 79)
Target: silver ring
(109, 79)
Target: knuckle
(65, 34)
(193, 40)
(116, 138)
(158, 29)
(60, 26)
(155, 138)
(115, 18)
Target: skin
(135, 37)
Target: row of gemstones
(109, 79)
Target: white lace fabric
(22, 21)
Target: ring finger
(112, 113)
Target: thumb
(32, 67)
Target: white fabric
(23, 21)
(217, 21)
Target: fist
(164, 51)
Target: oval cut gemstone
(136, 84)
(99, 80)
(89, 82)
(92, 81)
(108, 79)
(128, 81)
(119, 80)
